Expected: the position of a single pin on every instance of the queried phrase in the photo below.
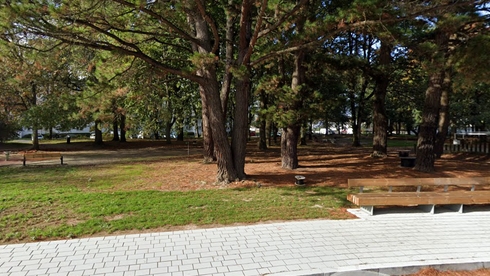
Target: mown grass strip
(39, 203)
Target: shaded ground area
(321, 163)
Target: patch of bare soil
(434, 272)
(179, 166)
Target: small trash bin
(300, 180)
(407, 162)
(68, 138)
(403, 153)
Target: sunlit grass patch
(38, 203)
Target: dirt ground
(329, 164)
(322, 164)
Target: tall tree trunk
(35, 138)
(380, 120)
(290, 135)
(226, 167)
(168, 132)
(98, 133)
(35, 131)
(115, 128)
(211, 102)
(180, 134)
(358, 116)
(240, 125)
(123, 128)
(289, 140)
(303, 135)
(207, 138)
(115, 121)
(289, 147)
(443, 125)
(229, 46)
(427, 134)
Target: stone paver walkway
(391, 243)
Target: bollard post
(61, 159)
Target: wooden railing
(473, 146)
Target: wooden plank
(420, 198)
(42, 155)
(387, 182)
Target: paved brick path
(392, 243)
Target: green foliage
(8, 129)
(472, 62)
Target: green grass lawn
(38, 203)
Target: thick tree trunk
(35, 139)
(240, 126)
(207, 138)
(123, 128)
(427, 134)
(243, 86)
(180, 134)
(290, 135)
(98, 133)
(426, 154)
(210, 96)
(380, 120)
(115, 128)
(229, 46)
(168, 133)
(289, 147)
(226, 168)
(443, 125)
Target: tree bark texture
(427, 134)
(226, 168)
(289, 147)
(291, 134)
(240, 123)
(115, 128)
(230, 38)
(207, 138)
(210, 97)
(123, 128)
(380, 120)
(98, 133)
(426, 154)
(35, 131)
(240, 126)
(443, 126)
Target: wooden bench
(451, 192)
(35, 156)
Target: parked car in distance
(92, 135)
(39, 137)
